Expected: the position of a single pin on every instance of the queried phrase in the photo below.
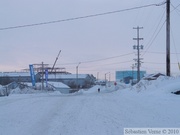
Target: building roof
(67, 76)
(50, 76)
(153, 76)
(14, 74)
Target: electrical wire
(175, 8)
(175, 47)
(152, 69)
(153, 39)
(115, 63)
(162, 52)
(138, 14)
(107, 58)
(156, 28)
(157, 63)
(81, 17)
(97, 60)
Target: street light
(109, 76)
(105, 76)
(77, 75)
(97, 76)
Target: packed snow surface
(149, 104)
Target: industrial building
(8, 77)
(72, 80)
(128, 76)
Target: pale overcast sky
(87, 39)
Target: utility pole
(97, 76)
(42, 75)
(77, 76)
(105, 76)
(168, 71)
(132, 72)
(138, 47)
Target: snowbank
(162, 85)
(54, 84)
(58, 84)
(26, 91)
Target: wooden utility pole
(168, 64)
(138, 47)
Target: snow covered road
(106, 113)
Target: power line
(81, 17)
(153, 39)
(158, 63)
(176, 8)
(115, 63)
(161, 17)
(162, 52)
(152, 69)
(97, 60)
(174, 45)
(108, 58)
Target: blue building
(126, 76)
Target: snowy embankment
(148, 104)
